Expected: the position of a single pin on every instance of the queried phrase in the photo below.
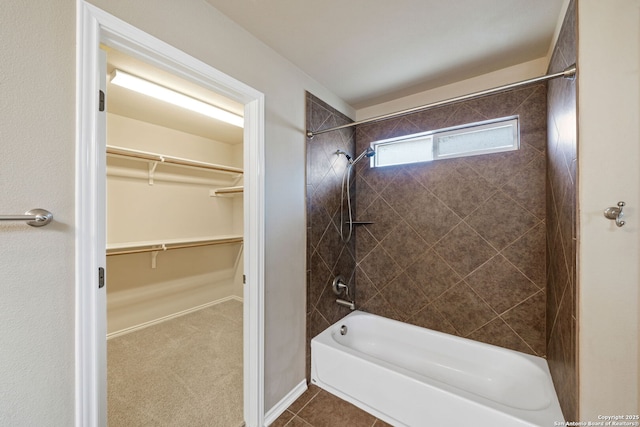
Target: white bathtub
(411, 376)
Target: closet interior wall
(169, 204)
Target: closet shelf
(228, 190)
(154, 157)
(166, 245)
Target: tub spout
(350, 304)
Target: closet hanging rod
(175, 246)
(126, 152)
(567, 73)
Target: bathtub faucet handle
(339, 286)
(341, 289)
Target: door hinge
(100, 277)
(101, 102)
(244, 279)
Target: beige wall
(177, 205)
(524, 71)
(608, 165)
(37, 170)
(37, 107)
(203, 32)
(37, 80)
(140, 135)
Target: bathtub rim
(326, 339)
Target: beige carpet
(183, 372)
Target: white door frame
(93, 27)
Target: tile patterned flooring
(318, 408)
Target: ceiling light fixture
(154, 90)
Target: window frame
(433, 136)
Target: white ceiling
(372, 51)
(365, 51)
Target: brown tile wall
(561, 224)
(327, 255)
(458, 245)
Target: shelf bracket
(154, 255)
(152, 170)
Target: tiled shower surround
(562, 349)
(482, 247)
(457, 245)
(327, 255)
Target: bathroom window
(492, 136)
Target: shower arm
(568, 73)
(366, 153)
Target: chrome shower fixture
(366, 153)
(338, 152)
(341, 289)
(346, 188)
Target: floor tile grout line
(295, 414)
(304, 406)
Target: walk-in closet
(174, 254)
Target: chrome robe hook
(615, 213)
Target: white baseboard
(284, 403)
(171, 316)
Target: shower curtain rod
(567, 73)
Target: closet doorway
(97, 31)
(174, 250)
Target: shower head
(346, 186)
(366, 153)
